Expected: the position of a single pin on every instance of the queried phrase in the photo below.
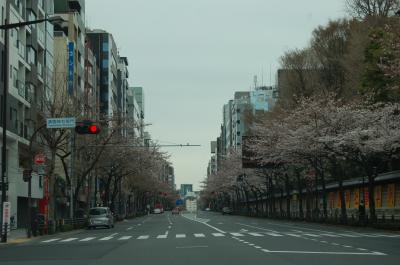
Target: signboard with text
(58, 123)
(6, 216)
(71, 68)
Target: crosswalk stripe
(106, 238)
(218, 234)
(312, 235)
(124, 237)
(180, 236)
(351, 235)
(162, 236)
(69, 239)
(274, 234)
(255, 234)
(295, 235)
(143, 237)
(330, 235)
(199, 235)
(51, 240)
(237, 234)
(87, 239)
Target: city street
(209, 238)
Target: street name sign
(58, 123)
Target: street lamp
(6, 27)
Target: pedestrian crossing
(294, 234)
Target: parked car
(226, 210)
(100, 216)
(157, 211)
(208, 209)
(175, 211)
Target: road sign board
(57, 123)
(40, 158)
(6, 216)
(179, 202)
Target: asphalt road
(209, 238)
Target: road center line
(269, 230)
(324, 252)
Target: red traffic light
(93, 129)
(87, 127)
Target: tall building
(106, 52)
(30, 74)
(140, 99)
(185, 188)
(122, 88)
(91, 98)
(73, 12)
(240, 108)
(134, 115)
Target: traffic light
(86, 127)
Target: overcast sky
(191, 55)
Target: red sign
(40, 159)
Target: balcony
(21, 88)
(40, 69)
(21, 49)
(29, 92)
(40, 35)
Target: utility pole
(4, 176)
(72, 172)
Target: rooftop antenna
(255, 81)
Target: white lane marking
(350, 235)
(124, 237)
(106, 238)
(295, 235)
(139, 224)
(69, 239)
(257, 246)
(330, 235)
(323, 241)
(129, 228)
(362, 249)
(203, 222)
(312, 235)
(199, 235)
(274, 234)
(236, 234)
(251, 244)
(255, 234)
(87, 239)
(296, 226)
(217, 234)
(193, 247)
(162, 236)
(143, 237)
(180, 236)
(346, 246)
(169, 227)
(51, 240)
(244, 230)
(114, 234)
(323, 252)
(220, 223)
(335, 244)
(260, 228)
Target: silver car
(100, 216)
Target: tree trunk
(343, 212)
(300, 189)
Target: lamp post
(4, 176)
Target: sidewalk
(18, 236)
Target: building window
(238, 121)
(104, 63)
(105, 46)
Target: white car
(207, 209)
(157, 211)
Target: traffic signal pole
(71, 174)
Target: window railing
(21, 88)
(40, 69)
(21, 49)
(29, 92)
(40, 35)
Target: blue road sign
(179, 202)
(56, 123)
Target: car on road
(226, 210)
(100, 217)
(175, 211)
(208, 209)
(157, 211)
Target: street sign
(40, 158)
(41, 170)
(6, 216)
(179, 202)
(57, 123)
